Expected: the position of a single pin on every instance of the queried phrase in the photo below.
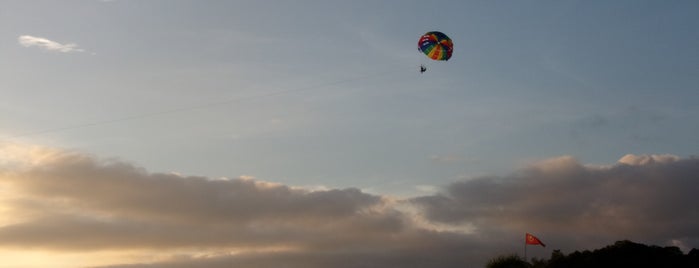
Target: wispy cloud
(48, 45)
(66, 202)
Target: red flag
(532, 240)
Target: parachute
(436, 45)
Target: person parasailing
(436, 46)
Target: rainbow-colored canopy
(436, 45)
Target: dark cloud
(421, 249)
(647, 198)
(116, 204)
(68, 202)
(75, 203)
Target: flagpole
(525, 250)
(525, 246)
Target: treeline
(620, 254)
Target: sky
(302, 134)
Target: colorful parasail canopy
(436, 45)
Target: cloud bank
(48, 45)
(60, 202)
(646, 198)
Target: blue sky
(592, 80)
(327, 94)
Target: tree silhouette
(620, 254)
(509, 261)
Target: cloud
(638, 160)
(108, 201)
(59, 202)
(48, 45)
(71, 202)
(643, 197)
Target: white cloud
(637, 160)
(46, 44)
